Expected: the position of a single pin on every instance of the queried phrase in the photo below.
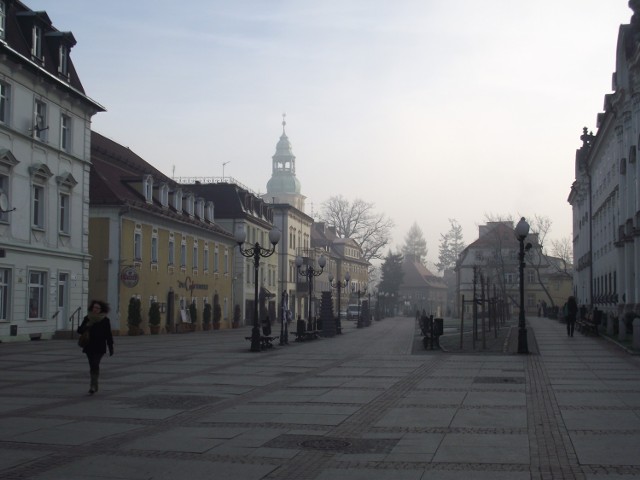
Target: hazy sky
(431, 109)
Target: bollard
(622, 328)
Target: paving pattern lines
(309, 464)
(56, 456)
(551, 452)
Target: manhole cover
(325, 444)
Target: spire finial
(284, 122)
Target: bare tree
(359, 221)
(562, 250)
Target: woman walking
(572, 312)
(98, 327)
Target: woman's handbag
(83, 340)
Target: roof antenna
(284, 122)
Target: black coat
(99, 336)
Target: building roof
(116, 173)
(234, 202)
(19, 21)
(416, 275)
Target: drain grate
(333, 444)
(502, 380)
(329, 444)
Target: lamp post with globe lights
(310, 271)
(256, 252)
(339, 285)
(522, 230)
(359, 292)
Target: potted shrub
(193, 313)
(217, 316)
(134, 316)
(206, 317)
(236, 316)
(154, 318)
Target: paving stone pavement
(362, 405)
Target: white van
(352, 312)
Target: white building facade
(45, 120)
(605, 196)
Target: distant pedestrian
(97, 327)
(266, 326)
(572, 311)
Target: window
(172, 250)
(4, 188)
(5, 277)
(226, 260)
(40, 121)
(137, 246)
(509, 278)
(36, 294)
(209, 211)
(154, 249)
(3, 18)
(190, 204)
(215, 259)
(65, 132)
(531, 276)
(195, 255)
(183, 254)
(63, 60)
(177, 200)
(36, 42)
(205, 261)
(37, 220)
(164, 195)
(147, 188)
(200, 208)
(5, 101)
(64, 214)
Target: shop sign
(189, 285)
(129, 277)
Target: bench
(265, 341)
(303, 336)
(431, 329)
(588, 325)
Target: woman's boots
(94, 383)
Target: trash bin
(13, 330)
(438, 327)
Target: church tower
(284, 187)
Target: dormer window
(164, 195)
(209, 210)
(190, 204)
(3, 18)
(63, 60)
(36, 43)
(177, 200)
(147, 188)
(200, 208)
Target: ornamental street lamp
(359, 292)
(256, 252)
(522, 230)
(284, 306)
(339, 286)
(310, 272)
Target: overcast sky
(431, 109)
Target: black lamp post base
(523, 346)
(255, 339)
